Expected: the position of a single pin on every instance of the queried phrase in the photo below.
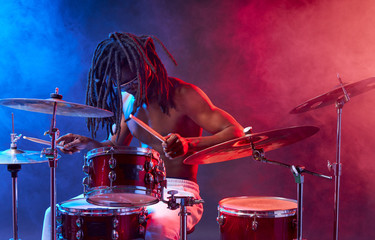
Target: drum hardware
(78, 219)
(258, 217)
(123, 176)
(14, 158)
(338, 97)
(297, 171)
(184, 202)
(55, 106)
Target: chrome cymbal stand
(51, 154)
(337, 167)
(258, 155)
(184, 202)
(13, 169)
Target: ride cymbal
(242, 147)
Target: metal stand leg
(14, 168)
(337, 170)
(258, 155)
(185, 201)
(53, 198)
(299, 180)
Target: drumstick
(148, 128)
(41, 141)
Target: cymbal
(241, 147)
(16, 156)
(331, 97)
(63, 107)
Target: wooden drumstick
(41, 141)
(148, 128)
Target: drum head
(82, 207)
(121, 197)
(259, 206)
(122, 150)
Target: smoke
(255, 59)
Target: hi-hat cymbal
(333, 96)
(16, 156)
(63, 107)
(242, 147)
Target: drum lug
(59, 236)
(79, 222)
(112, 162)
(220, 220)
(142, 230)
(79, 235)
(86, 181)
(142, 220)
(112, 176)
(160, 178)
(115, 222)
(254, 224)
(86, 169)
(149, 178)
(59, 228)
(149, 165)
(115, 235)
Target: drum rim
(122, 150)
(95, 210)
(97, 191)
(258, 214)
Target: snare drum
(78, 219)
(270, 218)
(123, 176)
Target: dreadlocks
(103, 88)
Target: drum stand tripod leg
(14, 168)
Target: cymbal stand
(337, 167)
(13, 169)
(184, 202)
(51, 154)
(258, 155)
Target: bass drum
(78, 219)
(123, 176)
(245, 218)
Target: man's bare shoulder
(184, 89)
(187, 95)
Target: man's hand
(175, 145)
(73, 143)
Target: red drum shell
(255, 218)
(77, 219)
(135, 177)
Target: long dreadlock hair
(103, 88)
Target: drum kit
(121, 181)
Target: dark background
(255, 59)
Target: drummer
(127, 77)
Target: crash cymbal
(63, 107)
(17, 156)
(333, 96)
(242, 147)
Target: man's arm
(75, 143)
(197, 106)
